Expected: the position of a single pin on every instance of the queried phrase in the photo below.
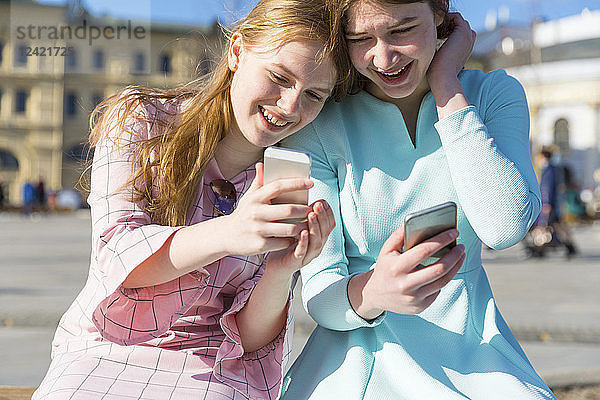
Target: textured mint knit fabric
(365, 165)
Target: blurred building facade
(558, 63)
(46, 100)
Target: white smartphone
(283, 163)
(425, 224)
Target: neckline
(238, 179)
(386, 108)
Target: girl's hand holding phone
(397, 283)
(321, 222)
(256, 224)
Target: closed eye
(403, 30)
(314, 96)
(356, 40)
(280, 80)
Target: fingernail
(453, 234)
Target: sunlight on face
(275, 93)
(392, 45)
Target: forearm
(187, 250)
(265, 314)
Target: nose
(289, 101)
(383, 55)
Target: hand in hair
(449, 60)
(451, 57)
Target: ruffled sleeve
(257, 374)
(123, 236)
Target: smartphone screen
(427, 223)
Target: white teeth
(271, 118)
(395, 74)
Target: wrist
(359, 297)
(225, 230)
(444, 87)
(449, 98)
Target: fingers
(302, 247)
(280, 186)
(316, 239)
(437, 275)
(259, 178)
(278, 212)
(427, 248)
(276, 244)
(282, 229)
(394, 242)
(458, 21)
(325, 216)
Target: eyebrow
(324, 90)
(402, 22)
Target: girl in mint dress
(421, 132)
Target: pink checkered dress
(177, 340)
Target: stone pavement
(550, 304)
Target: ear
(236, 47)
(439, 19)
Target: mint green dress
(365, 165)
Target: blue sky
(206, 11)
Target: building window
(561, 136)
(71, 104)
(1, 51)
(139, 63)
(8, 162)
(21, 56)
(99, 59)
(71, 58)
(21, 98)
(165, 64)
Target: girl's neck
(407, 105)
(234, 154)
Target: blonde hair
(190, 140)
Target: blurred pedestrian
(549, 222)
(28, 198)
(1, 195)
(40, 194)
(574, 207)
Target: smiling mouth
(272, 120)
(397, 76)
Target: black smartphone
(425, 224)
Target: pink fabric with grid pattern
(174, 340)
